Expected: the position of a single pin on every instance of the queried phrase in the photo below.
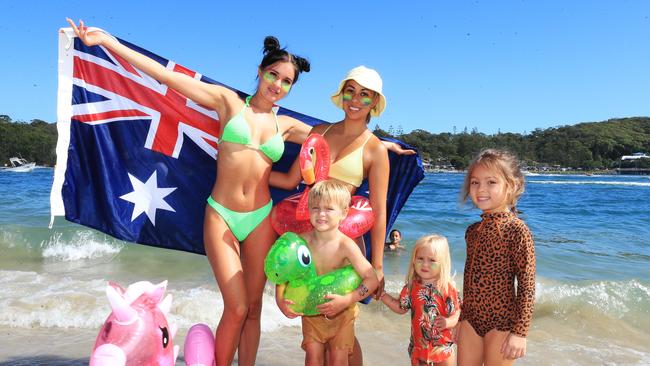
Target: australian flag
(136, 159)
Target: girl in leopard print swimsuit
(496, 314)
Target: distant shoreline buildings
(635, 156)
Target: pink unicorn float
(137, 331)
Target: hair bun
(303, 64)
(271, 44)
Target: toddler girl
(430, 295)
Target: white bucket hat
(369, 79)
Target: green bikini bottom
(241, 223)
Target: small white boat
(19, 165)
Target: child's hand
(286, 309)
(380, 289)
(385, 298)
(513, 347)
(454, 333)
(381, 296)
(440, 322)
(283, 304)
(336, 304)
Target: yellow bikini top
(349, 169)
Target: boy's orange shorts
(337, 331)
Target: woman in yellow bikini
(356, 154)
(237, 232)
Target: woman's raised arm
(208, 95)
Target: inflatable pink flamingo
(314, 159)
(136, 332)
(292, 213)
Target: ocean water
(592, 237)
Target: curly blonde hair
(506, 165)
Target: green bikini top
(237, 131)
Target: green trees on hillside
(585, 145)
(34, 141)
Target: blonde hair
(504, 164)
(330, 191)
(440, 248)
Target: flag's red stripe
(171, 106)
(108, 115)
(212, 143)
(184, 70)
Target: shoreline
(383, 337)
(611, 172)
(540, 172)
(73, 346)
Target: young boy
(330, 250)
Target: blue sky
(511, 66)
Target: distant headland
(584, 148)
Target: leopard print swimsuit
(500, 248)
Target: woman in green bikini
(237, 232)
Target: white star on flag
(148, 197)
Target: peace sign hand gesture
(89, 38)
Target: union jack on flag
(136, 159)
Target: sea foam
(41, 300)
(595, 301)
(84, 244)
(205, 305)
(31, 300)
